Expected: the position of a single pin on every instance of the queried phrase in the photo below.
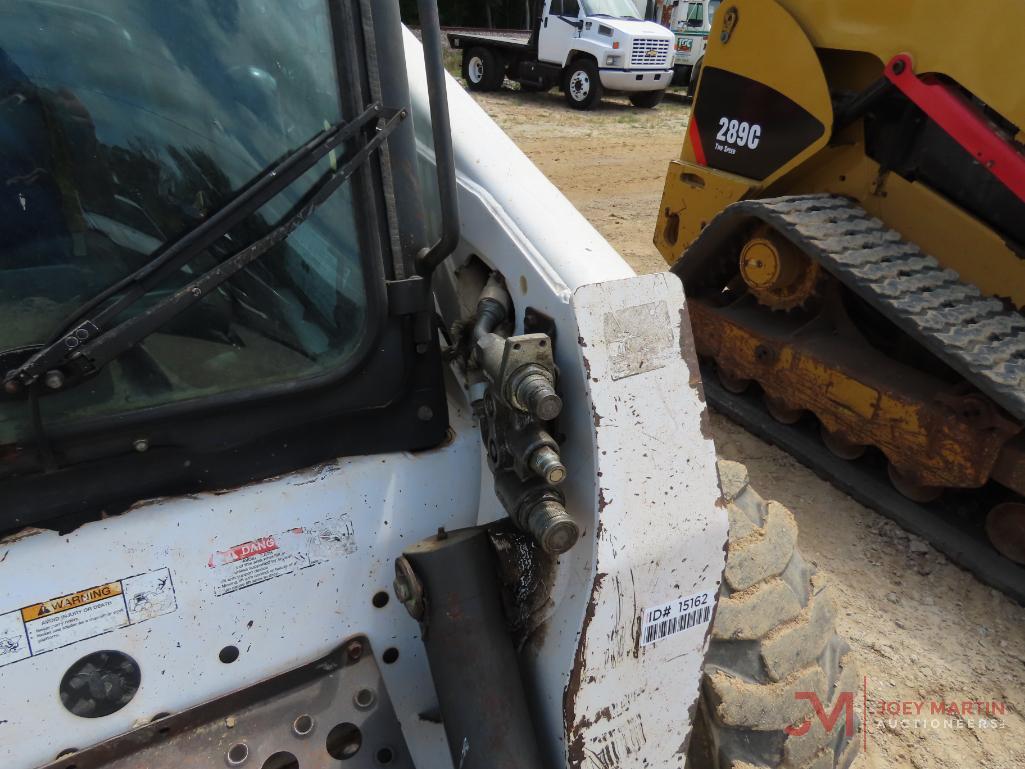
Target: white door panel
(558, 30)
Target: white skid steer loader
(331, 436)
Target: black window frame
(387, 396)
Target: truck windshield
(125, 123)
(695, 14)
(625, 9)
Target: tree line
(497, 14)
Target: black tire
(647, 99)
(773, 636)
(695, 75)
(482, 69)
(681, 75)
(581, 84)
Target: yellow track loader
(848, 219)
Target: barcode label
(675, 616)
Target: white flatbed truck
(584, 46)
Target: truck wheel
(647, 99)
(681, 75)
(482, 70)
(695, 74)
(773, 637)
(582, 84)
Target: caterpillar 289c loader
(335, 438)
(848, 220)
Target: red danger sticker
(245, 550)
(276, 555)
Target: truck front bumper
(636, 80)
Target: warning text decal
(68, 619)
(276, 555)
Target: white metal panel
(662, 527)
(555, 238)
(389, 501)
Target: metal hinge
(409, 296)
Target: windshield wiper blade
(92, 343)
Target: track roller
(913, 491)
(782, 413)
(1005, 527)
(840, 446)
(735, 385)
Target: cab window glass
(695, 14)
(556, 8)
(126, 123)
(571, 8)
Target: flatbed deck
(465, 38)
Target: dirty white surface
(246, 568)
(662, 529)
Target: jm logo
(844, 704)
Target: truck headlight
(613, 60)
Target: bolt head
(402, 591)
(54, 379)
(354, 651)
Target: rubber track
(976, 336)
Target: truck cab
(586, 46)
(632, 54)
(690, 22)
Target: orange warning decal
(72, 601)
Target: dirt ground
(923, 631)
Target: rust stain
(636, 628)
(576, 750)
(28, 531)
(688, 352)
(602, 501)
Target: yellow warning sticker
(71, 601)
(43, 627)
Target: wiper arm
(91, 342)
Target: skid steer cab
(329, 435)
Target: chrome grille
(650, 52)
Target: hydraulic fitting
(538, 509)
(547, 464)
(532, 389)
